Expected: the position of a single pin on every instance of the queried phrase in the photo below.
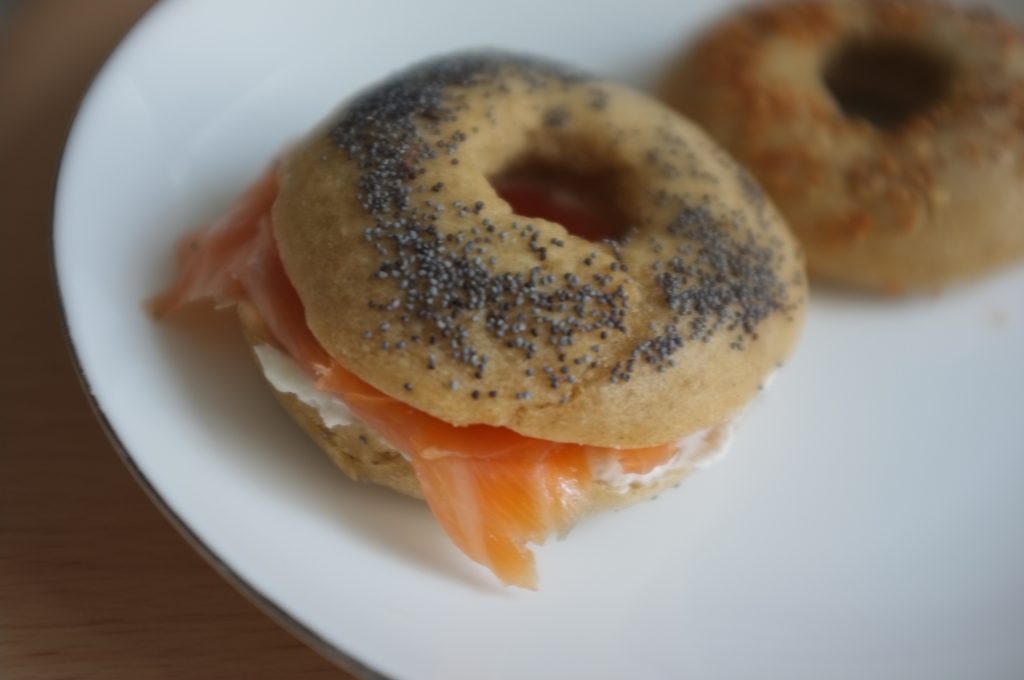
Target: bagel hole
(887, 81)
(582, 202)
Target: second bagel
(889, 132)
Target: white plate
(868, 523)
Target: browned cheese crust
(889, 132)
(417, 277)
(364, 457)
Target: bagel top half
(416, 276)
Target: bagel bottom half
(364, 457)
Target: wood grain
(94, 583)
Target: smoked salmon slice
(493, 490)
(213, 258)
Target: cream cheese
(694, 451)
(287, 376)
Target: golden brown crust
(416, 276)
(364, 457)
(935, 198)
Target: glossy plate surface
(868, 523)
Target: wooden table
(94, 583)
